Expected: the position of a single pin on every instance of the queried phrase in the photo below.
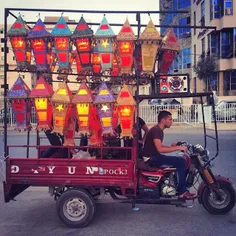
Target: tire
(214, 206)
(75, 208)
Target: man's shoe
(187, 196)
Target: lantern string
(38, 15)
(62, 13)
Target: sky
(122, 5)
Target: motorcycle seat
(166, 166)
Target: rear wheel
(221, 202)
(75, 208)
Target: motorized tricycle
(78, 184)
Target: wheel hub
(221, 201)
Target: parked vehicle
(226, 110)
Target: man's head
(165, 119)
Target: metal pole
(204, 125)
(28, 140)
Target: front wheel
(221, 202)
(75, 208)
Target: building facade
(220, 43)
(182, 62)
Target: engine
(169, 185)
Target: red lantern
(42, 93)
(96, 60)
(21, 104)
(126, 107)
(20, 44)
(126, 39)
(82, 37)
(169, 49)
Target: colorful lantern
(95, 137)
(126, 108)
(105, 42)
(82, 38)
(126, 39)
(20, 43)
(170, 47)
(21, 104)
(62, 33)
(61, 100)
(104, 101)
(42, 47)
(41, 93)
(149, 41)
(83, 100)
(96, 60)
(70, 126)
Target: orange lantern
(83, 100)
(126, 39)
(82, 37)
(96, 60)
(126, 108)
(61, 100)
(149, 41)
(21, 104)
(43, 107)
(20, 43)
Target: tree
(206, 68)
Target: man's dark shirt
(150, 149)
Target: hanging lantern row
(93, 53)
(61, 112)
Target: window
(215, 9)
(184, 3)
(194, 22)
(2, 49)
(208, 43)
(184, 32)
(203, 46)
(229, 81)
(233, 80)
(194, 54)
(234, 42)
(2, 58)
(226, 44)
(213, 43)
(186, 58)
(228, 7)
(203, 13)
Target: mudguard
(203, 184)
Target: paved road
(34, 211)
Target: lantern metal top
(19, 89)
(19, 28)
(170, 41)
(150, 33)
(125, 97)
(104, 30)
(42, 89)
(82, 29)
(63, 94)
(39, 30)
(61, 28)
(104, 95)
(126, 32)
(83, 95)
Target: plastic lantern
(41, 94)
(126, 108)
(62, 33)
(20, 43)
(42, 47)
(149, 41)
(96, 60)
(82, 38)
(105, 41)
(61, 100)
(21, 104)
(170, 47)
(83, 100)
(126, 39)
(104, 101)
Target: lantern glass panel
(83, 44)
(84, 58)
(41, 104)
(106, 121)
(38, 45)
(18, 43)
(62, 43)
(83, 109)
(42, 115)
(83, 121)
(125, 112)
(106, 58)
(40, 59)
(28, 57)
(126, 61)
(63, 56)
(59, 121)
(20, 56)
(125, 47)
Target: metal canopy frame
(138, 14)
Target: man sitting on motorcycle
(153, 149)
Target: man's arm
(145, 129)
(166, 149)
